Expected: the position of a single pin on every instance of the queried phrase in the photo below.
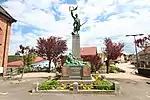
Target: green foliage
(96, 76)
(112, 69)
(28, 59)
(48, 85)
(25, 68)
(86, 87)
(98, 84)
(103, 85)
(71, 87)
(27, 56)
(61, 87)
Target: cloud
(108, 18)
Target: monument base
(64, 77)
(76, 73)
(76, 45)
(75, 77)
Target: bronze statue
(72, 61)
(76, 23)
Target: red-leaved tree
(112, 51)
(51, 48)
(143, 43)
(94, 60)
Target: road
(130, 90)
(127, 67)
(127, 75)
(132, 87)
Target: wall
(4, 55)
(43, 64)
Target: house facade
(144, 57)
(5, 30)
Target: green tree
(28, 56)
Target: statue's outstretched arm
(72, 15)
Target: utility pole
(134, 35)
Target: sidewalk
(36, 75)
(127, 75)
(126, 66)
(124, 76)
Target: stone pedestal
(76, 46)
(76, 73)
(86, 73)
(65, 73)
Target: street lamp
(134, 35)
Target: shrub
(85, 87)
(112, 69)
(96, 76)
(47, 85)
(70, 87)
(61, 87)
(103, 85)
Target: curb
(77, 91)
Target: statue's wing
(76, 8)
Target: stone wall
(76, 46)
(76, 72)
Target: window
(1, 36)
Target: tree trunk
(107, 65)
(22, 73)
(49, 66)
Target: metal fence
(12, 72)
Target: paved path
(130, 90)
(36, 75)
(127, 75)
(126, 66)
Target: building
(88, 51)
(122, 58)
(19, 63)
(84, 52)
(39, 62)
(144, 57)
(5, 30)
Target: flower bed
(98, 84)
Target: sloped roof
(6, 14)
(19, 63)
(88, 51)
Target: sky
(105, 18)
